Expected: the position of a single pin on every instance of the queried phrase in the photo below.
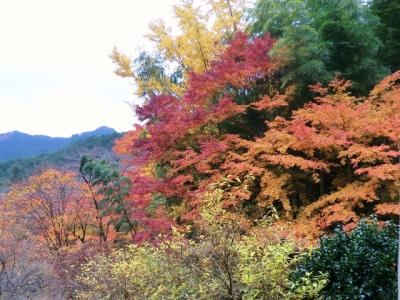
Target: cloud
(61, 112)
(55, 74)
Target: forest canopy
(265, 164)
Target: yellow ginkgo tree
(204, 28)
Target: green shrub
(358, 265)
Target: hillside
(67, 158)
(15, 144)
(260, 159)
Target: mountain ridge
(67, 158)
(16, 144)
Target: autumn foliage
(53, 207)
(334, 160)
(328, 163)
(227, 176)
(183, 141)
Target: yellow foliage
(123, 62)
(195, 47)
(204, 30)
(229, 16)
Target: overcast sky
(55, 74)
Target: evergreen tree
(318, 38)
(388, 31)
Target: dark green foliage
(16, 174)
(276, 16)
(318, 38)
(358, 265)
(112, 190)
(67, 159)
(388, 31)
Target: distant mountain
(68, 158)
(103, 130)
(15, 144)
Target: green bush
(358, 265)
(187, 270)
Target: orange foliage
(339, 156)
(331, 162)
(53, 207)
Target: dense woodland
(265, 165)
(67, 159)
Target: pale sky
(55, 74)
